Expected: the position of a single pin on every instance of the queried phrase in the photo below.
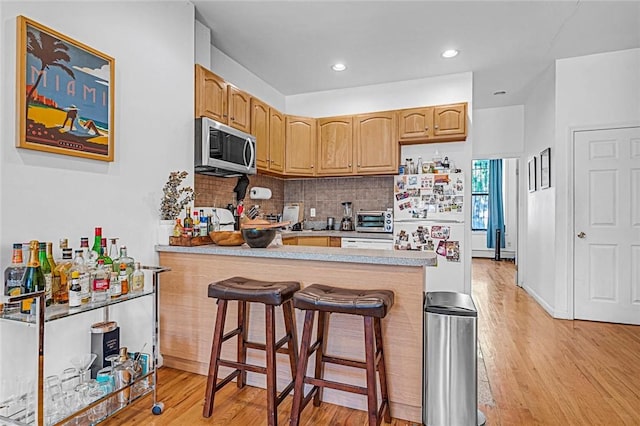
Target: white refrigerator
(428, 216)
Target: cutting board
(293, 212)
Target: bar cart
(106, 405)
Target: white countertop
(324, 254)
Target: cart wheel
(157, 408)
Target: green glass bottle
(45, 267)
(33, 277)
(108, 262)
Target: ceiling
(507, 45)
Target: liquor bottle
(83, 276)
(116, 288)
(216, 220)
(178, 230)
(125, 260)
(55, 278)
(14, 274)
(124, 279)
(187, 223)
(62, 270)
(97, 240)
(75, 290)
(89, 256)
(113, 249)
(33, 277)
(46, 271)
(137, 279)
(100, 283)
(108, 262)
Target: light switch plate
(312, 212)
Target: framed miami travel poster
(65, 94)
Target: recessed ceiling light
(450, 53)
(338, 67)
(500, 92)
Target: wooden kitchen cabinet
(211, 95)
(376, 148)
(300, 146)
(335, 242)
(315, 241)
(335, 146)
(441, 123)
(450, 121)
(260, 129)
(276, 140)
(239, 109)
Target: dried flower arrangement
(175, 198)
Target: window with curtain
(479, 194)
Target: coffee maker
(347, 220)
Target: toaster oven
(374, 221)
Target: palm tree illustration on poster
(66, 94)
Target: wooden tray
(189, 241)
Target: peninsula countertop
(324, 254)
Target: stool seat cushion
(250, 290)
(370, 303)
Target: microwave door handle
(253, 153)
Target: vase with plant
(174, 200)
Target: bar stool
(372, 305)
(271, 294)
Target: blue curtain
(496, 210)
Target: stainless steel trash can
(450, 381)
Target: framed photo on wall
(532, 174)
(65, 94)
(545, 168)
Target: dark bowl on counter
(258, 238)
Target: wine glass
(82, 363)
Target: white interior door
(607, 225)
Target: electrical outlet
(312, 212)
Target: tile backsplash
(327, 194)
(324, 194)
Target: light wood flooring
(541, 371)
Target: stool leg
(212, 378)
(290, 328)
(301, 369)
(243, 315)
(270, 325)
(372, 398)
(323, 320)
(382, 371)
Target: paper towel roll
(259, 193)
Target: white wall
(47, 196)
(236, 74)
(595, 91)
(537, 251)
(498, 132)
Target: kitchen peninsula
(187, 314)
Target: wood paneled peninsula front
(187, 314)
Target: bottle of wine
(137, 279)
(62, 271)
(33, 277)
(14, 274)
(55, 277)
(187, 223)
(46, 271)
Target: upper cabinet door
(239, 109)
(260, 129)
(300, 146)
(276, 140)
(450, 120)
(376, 145)
(335, 146)
(211, 95)
(416, 123)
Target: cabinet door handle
(224, 115)
(435, 127)
(426, 128)
(233, 119)
(358, 164)
(349, 164)
(312, 166)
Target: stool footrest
(231, 334)
(285, 392)
(344, 361)
(243, 367)
(262, 347)
(336, 385)
(227, 379)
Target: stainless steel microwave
(374, 221)
(221, 150)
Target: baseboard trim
(547, 307)
(504, 254)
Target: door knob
(582, 235)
